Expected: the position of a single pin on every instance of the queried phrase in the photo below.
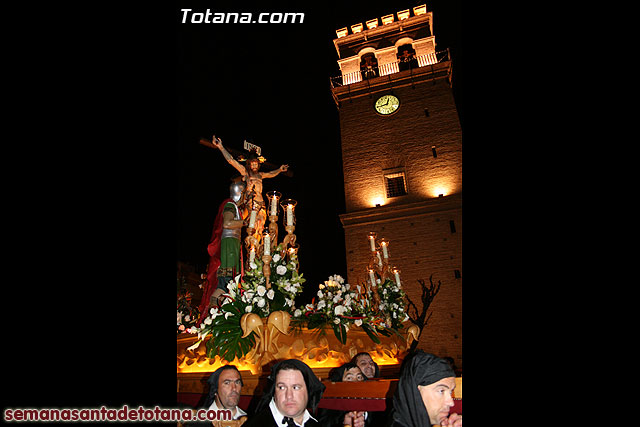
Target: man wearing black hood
(293, 392)
(423, 396)
(225, 384)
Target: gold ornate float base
(320, 350)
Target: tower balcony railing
(390, 68)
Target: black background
(103, 174)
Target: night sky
(269, 84)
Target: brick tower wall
(371, 143)
(422, 241)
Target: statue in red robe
(225, 251)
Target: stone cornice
(404, 211)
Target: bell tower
(402, 161)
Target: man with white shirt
(225, 384)
(226, 394)
(293, 391)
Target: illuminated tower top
(387, 45)
(400, 132)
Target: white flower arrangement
(392, 305)
(285, 281)
(250, 295)
(342, 306)
(337, 304)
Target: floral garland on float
(261, 304)
(342, 306)
(377, 306)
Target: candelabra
(263, 243)
(379, 264)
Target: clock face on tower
(387, 104)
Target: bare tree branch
(428, 294)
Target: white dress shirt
(239, 411)
(279, 417)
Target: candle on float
(396, 273)
(267, 244)
(384, 249)
(289, 214)
(252, 219)
(372, 277)
(372, 241)
(274, 206)
(252, 254)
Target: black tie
(289, 422)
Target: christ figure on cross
(253, 177)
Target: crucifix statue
(253, 205)
(252, 176)
(251, 173)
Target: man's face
(229, 386)
(365, 363)
(254, 165)
(291, 393)
(437, 398)
(353, 374)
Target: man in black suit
(292, 394)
